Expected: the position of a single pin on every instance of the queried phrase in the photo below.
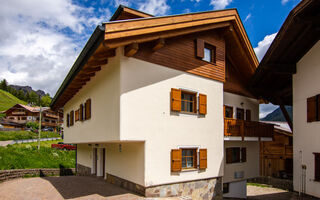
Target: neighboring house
(18, 115)
(289, 75)
(276, 157)
(144, 103)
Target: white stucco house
(290, 69)
(144, 102)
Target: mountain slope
(7, 100)
(277, 115)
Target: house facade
(290, 69)
(144, 102)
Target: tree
(32, 125)
(46, 100)
(4, 85)
(33, 98)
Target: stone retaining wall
(284, 184)
(83, 170)
(206, 189)
(20, 173)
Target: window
(189, 158)
(317, 167)
(185, 101)
(313, 109)
(240, 113)
(87, 109)
(236, 155)
(228, 112)
(205, 51)
(248, 115)
(188, 102)
(207, 55)
(225, 188)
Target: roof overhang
(123, 13)
(300, 31)
(129, 33)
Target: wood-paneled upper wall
(179, 53)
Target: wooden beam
(94, 63)
(286, 116)
(105, 54)
(158, 44)
(91, 69)
(131, 49)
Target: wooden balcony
(242, 128)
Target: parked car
(48, 129)
(64, 146)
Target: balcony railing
(242, 128)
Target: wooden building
(276, 158)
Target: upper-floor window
(188, 158)
(205, 51)
(313, 109)
(228, 112)
(240, 113)
(188, 102)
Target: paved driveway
(66, 187)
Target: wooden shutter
(202, 104)
(311, 109)
(317, 166)
(176, 160)
(202, 158)
(81, 112)
(175, 99)
(88, 109)
(77, 115)
(229, 154)
(248, 115)
(68, 120)
(243, 155)
(71, 118)
(200, 48)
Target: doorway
(99, 161)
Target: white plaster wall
(306, 135)
(237, 190)
(127, 164)
(103, 89)
(235, 101)
(84, 155)
(145, 115)
(250, 168)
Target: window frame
(195, 103)
(195, 158)
(228, 107)
(212, 49)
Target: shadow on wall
(81, 186)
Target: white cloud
(122, 2)
(284, 1)
(247, 17)
(263, 45)
(154, 7)
(40, 40)
(220, 4)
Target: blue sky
(40, 39)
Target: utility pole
(39, 132)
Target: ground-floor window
(236, 155)
(189, 158)
(225, 188)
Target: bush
(23, 135)
(32, 125)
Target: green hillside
(7, 100)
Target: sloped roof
(29, 108)
(110, 35)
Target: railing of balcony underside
(242, 128)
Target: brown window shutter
(176, 160)
(88, 109)
(202, 104)
(248, 115)
(317, 166)
(81, 112)
(68, 120)
(77, 115)
(71, 118)
(200, 48)
(243, 155)
(175, 99)
(311, 109)
(202, 158)
(229, 153)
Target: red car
(63, 146)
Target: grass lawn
(27, 156)
(7, 100)
(21, 135)
(259, 185)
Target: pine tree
(4, 85)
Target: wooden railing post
(242, 129)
